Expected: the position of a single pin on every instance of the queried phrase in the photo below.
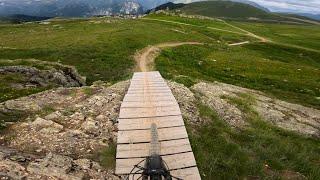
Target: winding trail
(145, 57)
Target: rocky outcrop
(73, 122)
(66, 128)
(16, 165)
(64, 76)
(286, 115)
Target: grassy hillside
(224, 9)
(249, 65)
(100, 48)
(103, 49)
(304, 36)
(231, 10)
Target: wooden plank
(145, 123)
(149, 112)
(143, 88)
(142, 149)
(140, 136)
(150, 86)
(149, 93)
(148, 98)
(167, 90)
(176, 161)
(147, 80)
(187, 174)
(147, 73)
(153, 76)
(142, 83)
(126, 104)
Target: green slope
(232, 10)
(225, 9)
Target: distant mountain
(167, 6)
(241, 10)
(82, 8)
(312, 16)
(70, 8)
(20, 18)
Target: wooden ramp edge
(150, 100)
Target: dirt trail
(248, 33)
(145, 57)
(243, 31)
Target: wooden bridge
(150, 100)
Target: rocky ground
(59, 132)
(285, 115)
(292, 117)
(40, 74)
(65, 128)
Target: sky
(297, 6)
(309, 6)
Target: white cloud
(301, 6)
(297, 6)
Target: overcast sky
(310, 6)
(298, 6)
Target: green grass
(194, 21)
(99, 51)
(225, 153)
(99, 48)
(226, 9)
(287, 73)
(107, 157)
(10, 116)
(306, 36)
(8, 91)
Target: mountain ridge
(234, 10)
(72, 8)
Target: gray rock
(12, 170)
(39, 122)
(90, 126)
(53, 165)
(50, 130)
(53, 116)
(66, 76)
(84, 163)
